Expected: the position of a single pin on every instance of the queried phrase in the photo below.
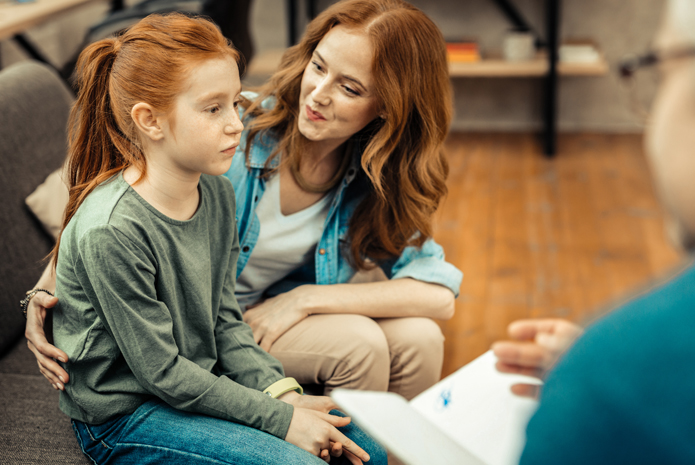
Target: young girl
(163, 367)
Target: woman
(346, 140)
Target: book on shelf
(579, 51)
(463, 51)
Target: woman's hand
(316, 433)
(44, 352)
(534, 350)
(318, 403)
(271, 318)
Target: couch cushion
(34, 109)
(49, 201)
(20, 360)
(32, 427)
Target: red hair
(147, 63)
(403, 153)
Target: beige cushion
(48, 202)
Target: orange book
(462, 46)
(463, 52)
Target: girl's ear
(147, 120)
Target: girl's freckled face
(205, 128)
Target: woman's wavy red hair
(403, 153)
(147, 63)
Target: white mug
(518, 46)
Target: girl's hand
(534, 350)
(320, 404)
(271, 318)
(316, 433)
(336, 451)
(44, 352)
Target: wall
(620, 27)
(595, 103)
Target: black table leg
(30, 49)
(291, 6)
(117, 5)
(311, 9)
(550, 110)
(292, 14)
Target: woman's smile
(314, 115)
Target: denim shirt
(330, 265)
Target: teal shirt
(625, 392)
(147, 309)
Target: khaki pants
(402, 355)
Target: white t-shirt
(284, 243)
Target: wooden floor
(536, 237)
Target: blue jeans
(157, 433)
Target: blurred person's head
(670, 136)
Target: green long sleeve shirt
(147, 308)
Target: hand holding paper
(535, 348)
(468, 418)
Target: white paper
(475, 407)
(401, 429)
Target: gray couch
(34, 107)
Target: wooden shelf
(538, 67)
(265, 64)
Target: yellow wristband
(278, 388)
